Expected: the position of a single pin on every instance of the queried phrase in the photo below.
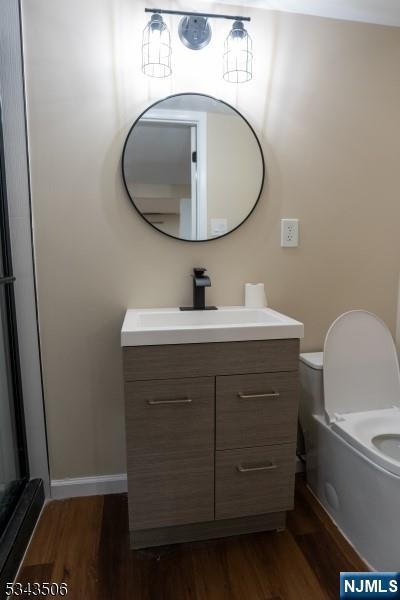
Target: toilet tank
(311, 403)
(311, 390)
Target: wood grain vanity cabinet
(211, 435)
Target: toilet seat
(361, 368)
(362, 429)
(362, 386)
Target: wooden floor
(84, 541)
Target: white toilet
(350, 416)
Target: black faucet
(200, 282)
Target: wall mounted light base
(195, 32)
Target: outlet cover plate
(289, 233)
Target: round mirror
(193, 167)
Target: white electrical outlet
(289, 233)
(219, 226)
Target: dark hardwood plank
(85, 541)
(68, 537)
(325, 558)
(240, 568)
(34, 574)
(40, 573)
(287, 569)
(47, 534)
(120, 570)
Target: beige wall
(325, 100)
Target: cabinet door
(256, 410)
(254, 481)
(170, 440)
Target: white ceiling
(384, 12)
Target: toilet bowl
(350, 416)
(375, 433)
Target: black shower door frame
(25, 505)
(7, 280)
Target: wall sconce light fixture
(238, 55)
(195, 33)
(156, 48)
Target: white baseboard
(88, 486)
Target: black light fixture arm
(183, 13)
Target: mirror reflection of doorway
(166, 175)
(168, 171)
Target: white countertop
(157, 326)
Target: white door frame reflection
(193, 223)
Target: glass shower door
(13, 465)
(11, 476)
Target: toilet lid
(361, 368)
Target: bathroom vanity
(211, 394)
(210, 426)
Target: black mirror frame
(174, 237)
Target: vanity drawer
(170, 415)
(210, 359)
(256, 410)
(254, 481)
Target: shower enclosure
(20, 497)
(13, 464)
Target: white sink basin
(155, 326)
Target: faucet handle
(199, 271)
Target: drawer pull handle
(177, 401)
(255, 396)
(269, 467)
